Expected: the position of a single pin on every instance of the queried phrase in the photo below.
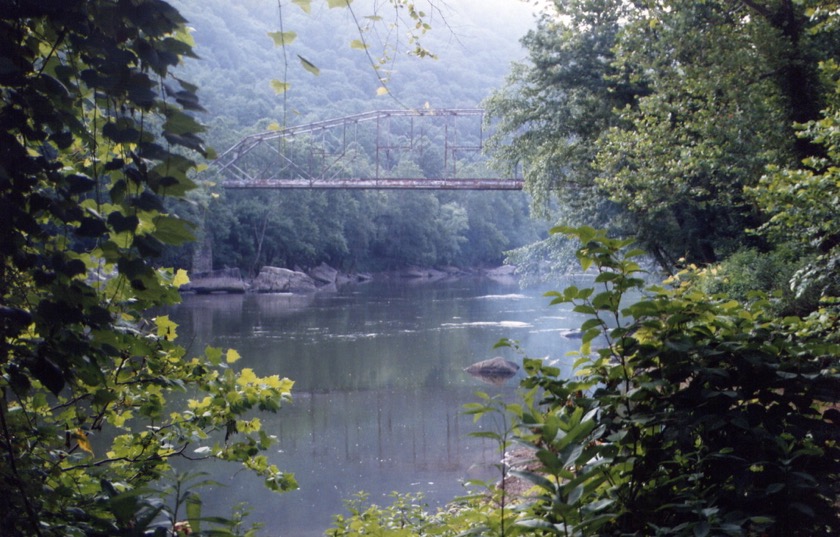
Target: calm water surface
(379, 387)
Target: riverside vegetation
(704, 133)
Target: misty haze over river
(379, 387)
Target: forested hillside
(361, 230)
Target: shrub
(688, 414)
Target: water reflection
(379, 387)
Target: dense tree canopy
(671, 111)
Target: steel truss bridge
(437, 149)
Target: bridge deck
(379, 184)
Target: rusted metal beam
(379, 184)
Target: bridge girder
(229, 166)
(380, 184)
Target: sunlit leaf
(309, 66)
(279, 86)
(338, 3)
(232, 356)
(358, 44)
(165, 327)
(281, 39)
(247, 376)
(382, 90)
(305, 5)
(181, 278)
(83, 441)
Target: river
(379, 387)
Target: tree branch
(7, 440)
(758, 8)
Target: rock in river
(282, 280)
(495, 370)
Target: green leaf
(536, 479)
(166, 328)
(564, 230)
(309, 66)
(305, 5)
(358, 44)
(575, 495)
(338, 3)
(178, 122)
(214, 355)
(121, 223)
(281, 39)
(589, 324)
(279, 86)
(232, 356)
(193, 508)
(173, 230)
(485, 434)
(598, 505)
(702, 529)
(148, 246)
(535, 523)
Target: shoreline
(325, 278)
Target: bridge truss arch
(384, 149)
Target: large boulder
(504, 274)
(282, 280)
(414, 272)
(216, 281)
(324, 274)
(421, 273)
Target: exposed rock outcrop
(325, 278)
(504, 274)
(216, 281)
(415, 272)
(361, 277)
(324, 274)
(282, 280)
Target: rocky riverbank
(324, 278)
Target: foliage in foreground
(687, 414)
(95, 134)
